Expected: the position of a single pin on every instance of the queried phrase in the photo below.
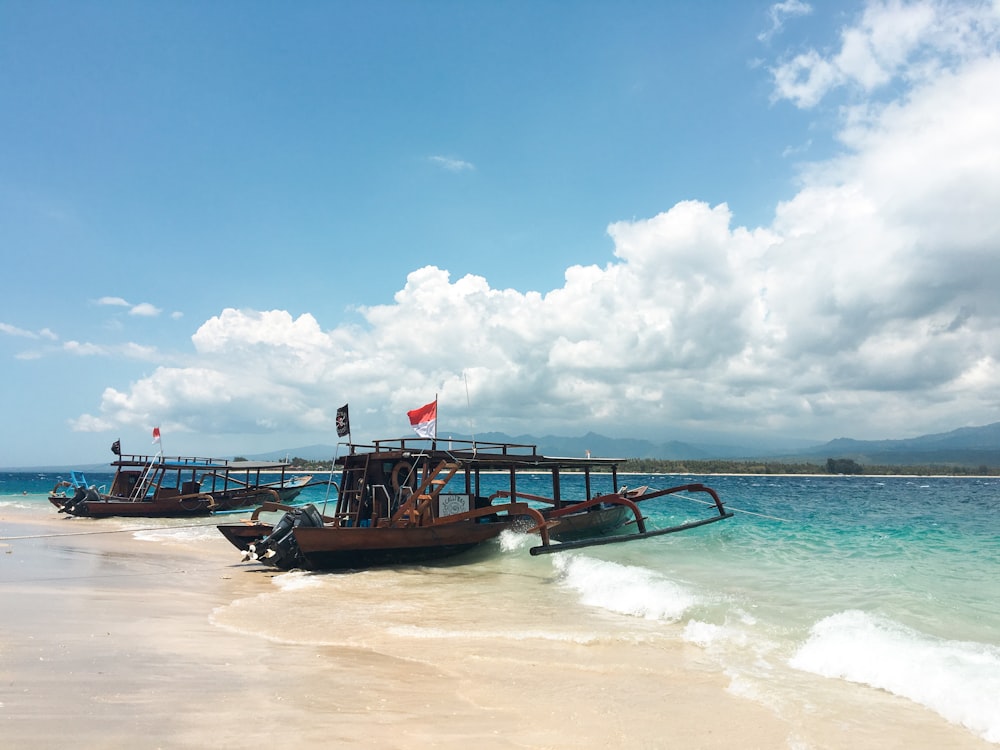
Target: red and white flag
(156, 434)
(424, 419)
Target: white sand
(111, 642)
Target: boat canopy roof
(193, 462)
(478, 454)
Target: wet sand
(107, 641)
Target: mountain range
(966, 446)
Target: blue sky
(665, 220)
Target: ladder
(355, 480)
(144, 483)
(418, 505)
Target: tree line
(721, 466)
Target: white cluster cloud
(12, 330)
(868, 307)
(43, 334)
(142, 309)
(779, 12)
(910, 41)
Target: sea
(850, 583)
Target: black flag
(343, 422)
(116, 447)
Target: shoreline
(325, 471)
(110, 641)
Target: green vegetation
(843, 466)
(720, 466)
(832, 466)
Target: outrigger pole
(545, 548)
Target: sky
(713, 222)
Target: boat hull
(242, 535)
(106, 508)
(355, 548)
(589, 523)
(174, 507)
(351, 548)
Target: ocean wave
(625, 589)
(958, 680)
(18, 506)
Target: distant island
(966, 451)
(833, 466)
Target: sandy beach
(108, 641)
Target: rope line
(207, 525)
(737, 510)
(104, 531)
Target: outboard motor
(279, 547)
(82, 493)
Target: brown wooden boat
(404, 501)
(157, 486)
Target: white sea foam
(186, 534)
(512, 541)
(958, 680)
(20, 504)
(624, 589)
(297, 580)
(416, 631)
(703, 633)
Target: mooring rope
(737, 510)
(207, 525)
(103, 531)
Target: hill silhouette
(966, 446)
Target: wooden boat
(404, 500)
(155, 486)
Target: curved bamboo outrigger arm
(273, 507)
(511, 509)
(576, 507)
(198, 497)
(546, 548)
(272, 492)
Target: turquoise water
(886, 582)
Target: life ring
(402, 468)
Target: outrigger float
(156, 486)
(404, 501)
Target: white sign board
(450, 504)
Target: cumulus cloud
(868, 307)
(910, 43)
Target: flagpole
(468, 405)
(329, 481)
